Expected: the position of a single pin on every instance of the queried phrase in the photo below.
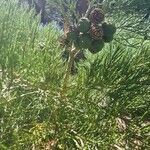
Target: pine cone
(108, 31)
(85, 41)
(96, 16)
(82, 6)
(84, 25)
(96, 46)
(96, 32)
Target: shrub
(104, 106)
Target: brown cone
(82, 6)
(96, 16)
(96, 32)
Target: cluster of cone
(90, 33)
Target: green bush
(104, 106)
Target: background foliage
(108, 100)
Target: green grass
(106, 104)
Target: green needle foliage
(106, 104)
